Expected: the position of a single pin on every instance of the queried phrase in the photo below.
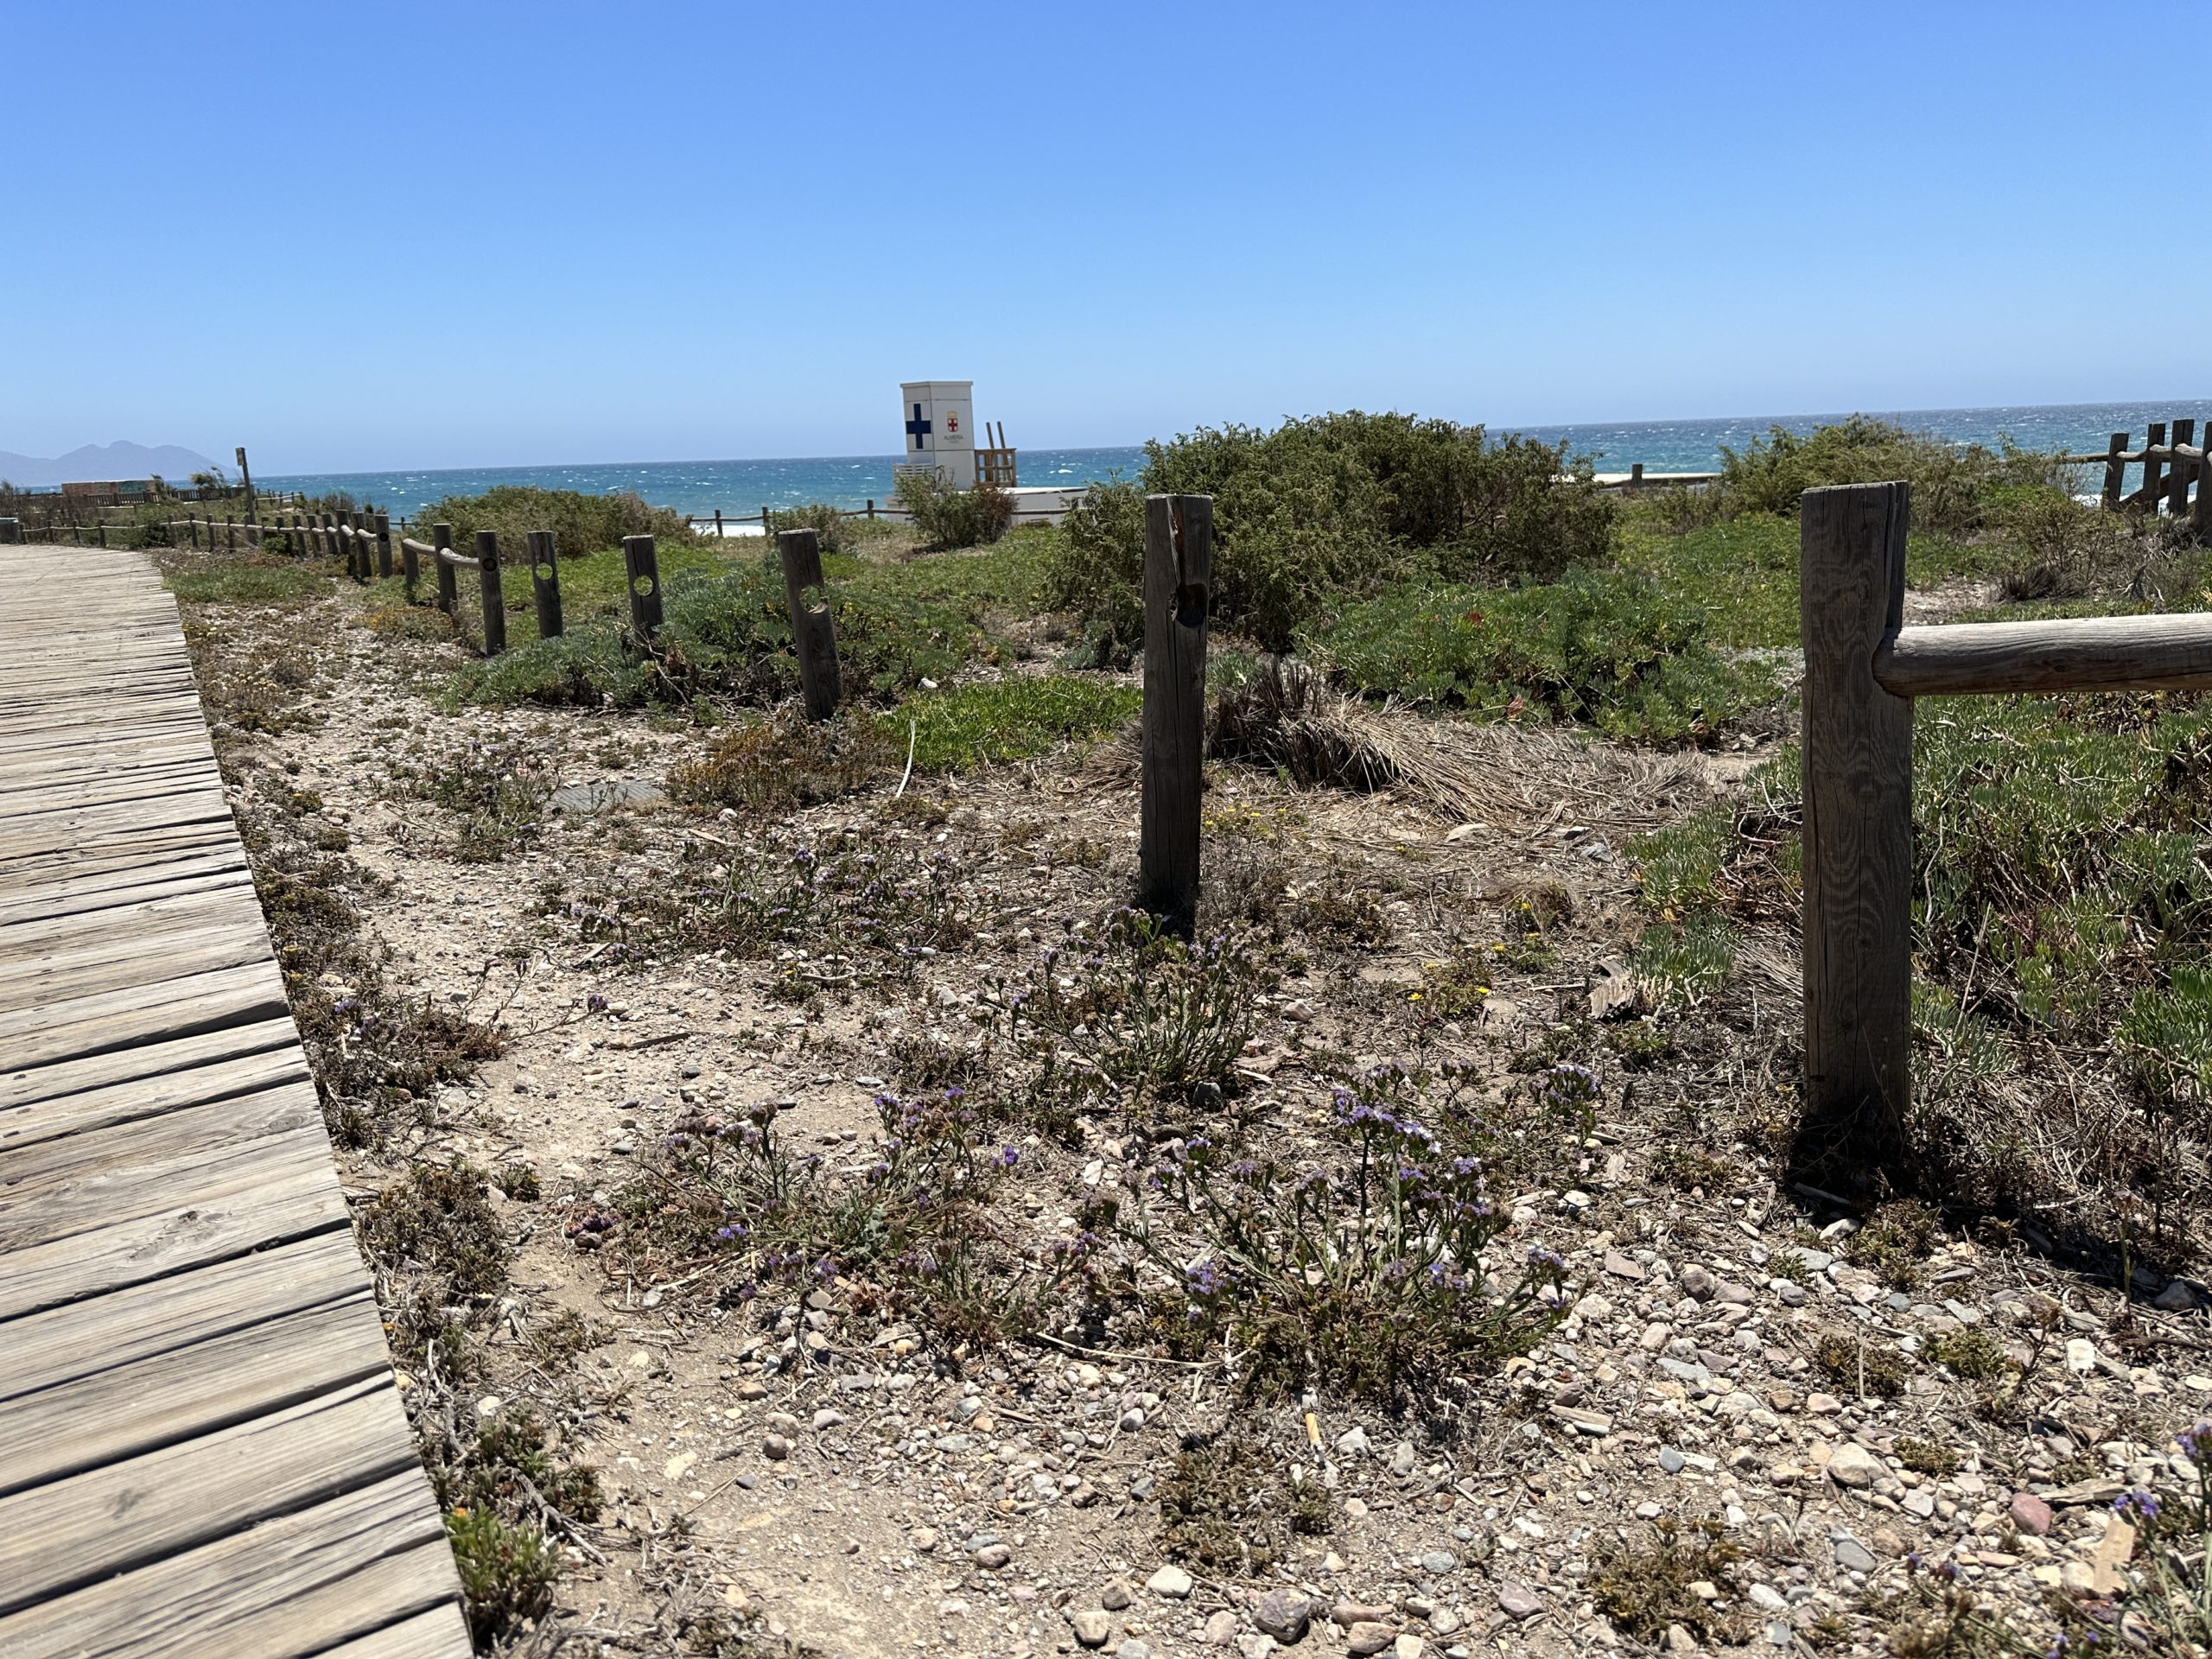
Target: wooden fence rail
(1862, 672)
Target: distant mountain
(103, 462)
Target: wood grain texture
(641, 570)
(545, 582)
(2103, 653)
(201, 1448)
(493, 603)
(1178, 603)
(1857, 837)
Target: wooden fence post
(814, 633)
(1858, 835)
(2177, 481)
(448, 593)
(718, 524)
(2115, 469)
(410, 567)
(495, 605)
(2147, 496)
(101, 529)
(1178, 598)
(545, 583)
(641, 568)
(193, 524)
(383, 523)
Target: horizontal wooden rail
(2102, 654)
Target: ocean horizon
(744, 486)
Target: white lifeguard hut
(939, 418)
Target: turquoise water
(745, 486)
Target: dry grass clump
(1287, 716)
(785, 762)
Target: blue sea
(699, 487)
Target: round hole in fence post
(1177, 587)
(1858, 830)
(545, 583)
(494, 599)
(641, 568)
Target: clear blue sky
(378, 235)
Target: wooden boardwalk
(202, 1452)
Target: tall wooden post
(641, 569)
(2177, 481)
(449, 594)
(245, 477)
(1857, 837)
(1178, 599)
(814, 633)
(545, 583)
(382, 522)
(495, 605)
(2115, 469)
(2147, 496)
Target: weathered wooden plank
(142, 1013)
(112, 964)
(2101, 653)
(292, 1587)
(86, 1339)
(438, 1634)
(144, 1082)
(270, 1195)
(220, 872)
(193, 1389)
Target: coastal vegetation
(828, 1060)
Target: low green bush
(1954, 485)
(949, 517)
(1319, 512)
(581, 523)
(1610, 650)
(828, 525)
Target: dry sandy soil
(812, 1472)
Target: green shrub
(950, 516)
(249, 581)
(581, 523)
(507, 1573)
(1334, 508)
(1952, 483)
(826, 523)
(1601, 647)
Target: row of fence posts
(1178, 599)
(2170, 464)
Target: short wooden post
(2115, 469)
(1857, 834)
(193, 524)
(383, 525)
(449, 594)
(101, 530)
(2177, 481)
(230, 534)
(410, 567)
(495, 606)
(641, 567)
(545, 583)
(2147, 496)
(871, 506)
(718, 524)
(814, 633)
(1636, 476)
(1177, 599)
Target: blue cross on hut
(918, 428)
